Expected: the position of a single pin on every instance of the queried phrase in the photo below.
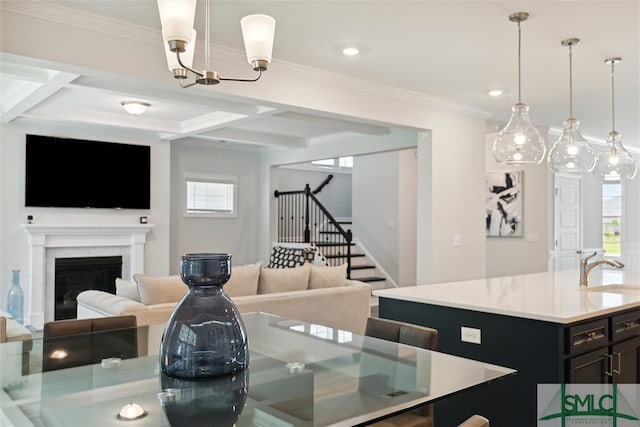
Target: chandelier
(177, 17)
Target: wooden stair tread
(370, 279)
(343, 256)
(362, 267)
(326, 244)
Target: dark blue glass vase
(205, 336)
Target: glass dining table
(299, 374)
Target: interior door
(567, 223)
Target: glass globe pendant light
(571, 153)
(519, 142)
(614, 160)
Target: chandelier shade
(258, 32)
(571, 153)
(176, 18)
(519, 142)
(186, 57)
(614, 160)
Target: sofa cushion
(282, 257)
(158, 290)
(283, 279)
(244, 280)
(327, 277)
(126, 289)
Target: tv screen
(74, 173)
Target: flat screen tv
(74, 173)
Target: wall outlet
(457, 240)
(471, 335)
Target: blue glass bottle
(15, 299)
(205, 336)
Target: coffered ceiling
(452, 51)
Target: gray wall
(238, 236)
(375, 207)
(529, 253)
(335, 196)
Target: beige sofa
(309, 293)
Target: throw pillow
(282, 257)
(158, 290)
(126, 289)
(283, 279)
(327, 277)
(244, 280)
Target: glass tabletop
(299, 374)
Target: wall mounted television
(75, 173)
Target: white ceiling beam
(35, 97)
(254, 138)
(337, 125)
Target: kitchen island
(543, 325)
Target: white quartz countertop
(551, 296)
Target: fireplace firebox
(74, 275)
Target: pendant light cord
(613, 112)
(570, 83)
(519, 66)
(207, 42)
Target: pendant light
(519, 142)
(613, 160)
(571, 153)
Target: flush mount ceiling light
(135, 108)
(177, 16)
(571, 153)
(350, 51)
(495, 92)
(614, 160)
(519, 142)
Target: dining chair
(410, 334)
(77, 342)
(475, 421)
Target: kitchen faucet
(585, 268)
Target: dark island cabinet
(602, 349)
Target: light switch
(457, 240)
(533, 237)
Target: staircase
(303, 219)
(362, 268)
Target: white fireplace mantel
(43, 237)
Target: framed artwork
(504, 203)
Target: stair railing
(300, 212)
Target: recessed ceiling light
(350, 51)
(135, 108)
(496, 92)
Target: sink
(614, 288)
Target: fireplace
(74, 275)
(49, 242)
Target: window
(612, 216)
(210, 195)
(334, 163)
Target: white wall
(375, 207)
(335, 196)
(238, 236)
(14, 242)
(407, 210)
(529, 253)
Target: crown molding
(92, 22)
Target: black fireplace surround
(74, 275)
